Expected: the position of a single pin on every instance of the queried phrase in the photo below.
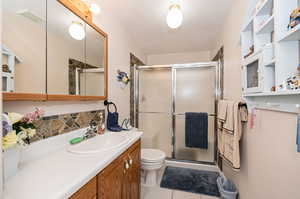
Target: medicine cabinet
(51, 50)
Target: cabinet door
(126, 185)
(121, 179)
(23, 50)
(88, 191)
(135, 173)
(253, 74)
(110, 181)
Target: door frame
(219, 57)
(173, 114)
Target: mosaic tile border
(60, 124)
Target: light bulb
(94, 8)
(175, 17)
(76, 31)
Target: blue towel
(196, 130)
(298, 134)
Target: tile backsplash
(59, 124)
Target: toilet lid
(152, 155)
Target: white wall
(1, 169)
(178, 58)
(120, 45)
(269, 161)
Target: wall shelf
(266, 8)
(276, 93)
(277, 59)
(267, 27)
(292, 35)
(248, 26)
(271, 63)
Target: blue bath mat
(191, 180)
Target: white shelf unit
(247, 37)
(291, 35)
(266, 8)
(11, 60)
(270, 63)
(269, 27)
(278, 93)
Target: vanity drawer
(88, 191)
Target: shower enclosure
(163, 94)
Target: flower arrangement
(122, 77)
(17, 129)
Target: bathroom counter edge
(63, 173)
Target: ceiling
(145, 21)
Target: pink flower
(39, 112)
(31, 117)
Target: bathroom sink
(100, 143)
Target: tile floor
(160, 193)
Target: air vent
(30, 15)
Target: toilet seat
(152, 156)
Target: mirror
(95, 59)
(76, 55)
(24, 47)
(51, 50)
(66, 52)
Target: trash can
(227, 188)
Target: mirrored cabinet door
(51, 50)
(24, 48)
(94, 72)
(65, 51)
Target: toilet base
(150, 177)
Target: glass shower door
(155, 96)
(195, 91)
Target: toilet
(152, 160)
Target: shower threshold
(206, 166)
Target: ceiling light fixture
(175, 17)
(76, 30)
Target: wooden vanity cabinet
(88, 191)
(121, 179)
(134, 175)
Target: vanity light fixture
(95, 8)
(77, 31)
(175, 16)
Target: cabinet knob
(130, 160)
(126, 164)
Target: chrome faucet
(91, 130)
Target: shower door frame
(174, 67)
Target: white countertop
(54, 173)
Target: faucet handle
(93, 126)
(93, 123)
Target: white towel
(229, 123)
(230, 135)
(222, 109)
